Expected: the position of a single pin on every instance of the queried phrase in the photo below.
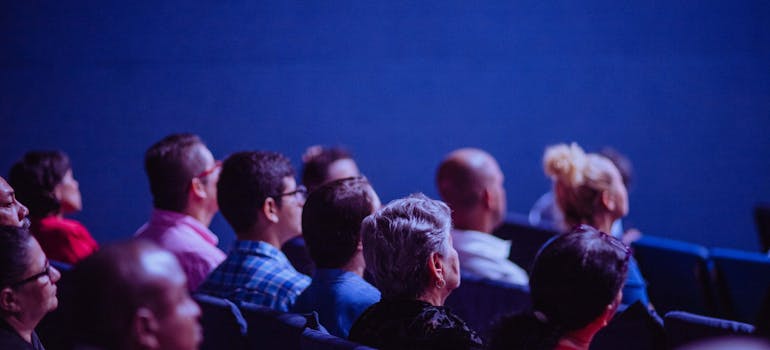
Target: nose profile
(23, 211)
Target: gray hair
(398, 241)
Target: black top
(412, 324)
(11, 340)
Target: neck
(200, 214)
(21, 327)
(356, 264)
(603, 222)
(474, 220)
(263, 235)
(433, 296)
(574, 341)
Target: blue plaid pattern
(256, 272)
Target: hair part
(34, 179)
(171, 164)
(331, 220)
(398, 242)
(247, 179)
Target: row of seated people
(258, 195)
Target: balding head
(126, 287)
(470, 180)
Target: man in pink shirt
(183, 180)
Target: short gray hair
(398, 241)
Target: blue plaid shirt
(256, 272)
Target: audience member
(132, 295)
(589, 190)
(576, 286)
(260, 199)
(28, 291)
(323, 164)
(183, 178)
(319, 166)
(12, 212)
(547, 214)
(331, 225)
(471, 183)
(44, 180)
(408, 249)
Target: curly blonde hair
(579, 179)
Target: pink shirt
(193, 244)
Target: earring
(440, 283)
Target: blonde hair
(579, 180)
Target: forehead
(5, 188)
(342, 168)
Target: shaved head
(463, 175)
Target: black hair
(574, 277)
(331, 220)
(171, 164)
(34, 178)
(246, 181)
(14, 254)
(316, 163)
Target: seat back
(271, 329)
(635, 328)
(481, 302)
(526, 240)
(742, 278)
(223, 325)
(762, 220)
(316, 340)
(684, 327)
(678, 275)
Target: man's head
(470, 181)
(259, 195)
(12, 212)
(323, 164)
(182, 174)
(136, 297)
(331, 220)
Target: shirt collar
(173, 218)
(259, 248)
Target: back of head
(170, 165)
(108, 288)
(579, 180)
(575, 277)
(331, 220)
(316, 163)
(34, 179)
(398, 241)
(246, 180)
(461, 177)
(14, 254)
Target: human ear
(8, 300)
(145, 327)
(270, 209)
(608, 200)
(198, 188)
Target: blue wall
(682, 87)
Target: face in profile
(452, 265)
(618, 191)
(210, 177)
(36, 291)
(68, 194)
(12, 212)
(290, 211)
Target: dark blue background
(682, 87)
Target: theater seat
(316, 340)
(271, 329)
(684, 327)
(526, 239)
(741, 279)
(762, 220)
(677, 274)
(480, 302)
(223, 325)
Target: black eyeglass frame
(35, 277)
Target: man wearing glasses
(260, 199)
(183, 177)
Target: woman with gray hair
(408, 250)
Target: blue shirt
(256, 272)
(339, 297)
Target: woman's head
(323, 164)
(28, 282)
(408, 248)
(43, 181)
(577, 276)
(586, 185)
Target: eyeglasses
(300, 193)
(209, 171)
(35, 277)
